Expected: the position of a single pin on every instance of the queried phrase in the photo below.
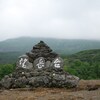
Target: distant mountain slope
(9, 57)
(90, 56)
(61, 46)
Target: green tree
(6, 69)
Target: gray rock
(6, 82)
(72, 80)
(21, 82)
(48, 64)
(36, 81)
(58, 77)
(46, 80)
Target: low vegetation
(85, 64)
(6, 69)
(84, 70)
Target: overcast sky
(79, 19)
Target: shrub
(6, 69)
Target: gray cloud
(50, 18)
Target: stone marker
(39, 68)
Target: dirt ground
(86, 90)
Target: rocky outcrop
(39, 68)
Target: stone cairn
(39, 68)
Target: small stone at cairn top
(41, 50)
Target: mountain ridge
(61, 46)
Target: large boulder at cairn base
(39, 68)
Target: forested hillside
(90, 56)
(85, 64)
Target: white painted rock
(23, 62)
(57, 63)
(39, 63)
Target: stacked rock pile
(39, 68)
(41, 50)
